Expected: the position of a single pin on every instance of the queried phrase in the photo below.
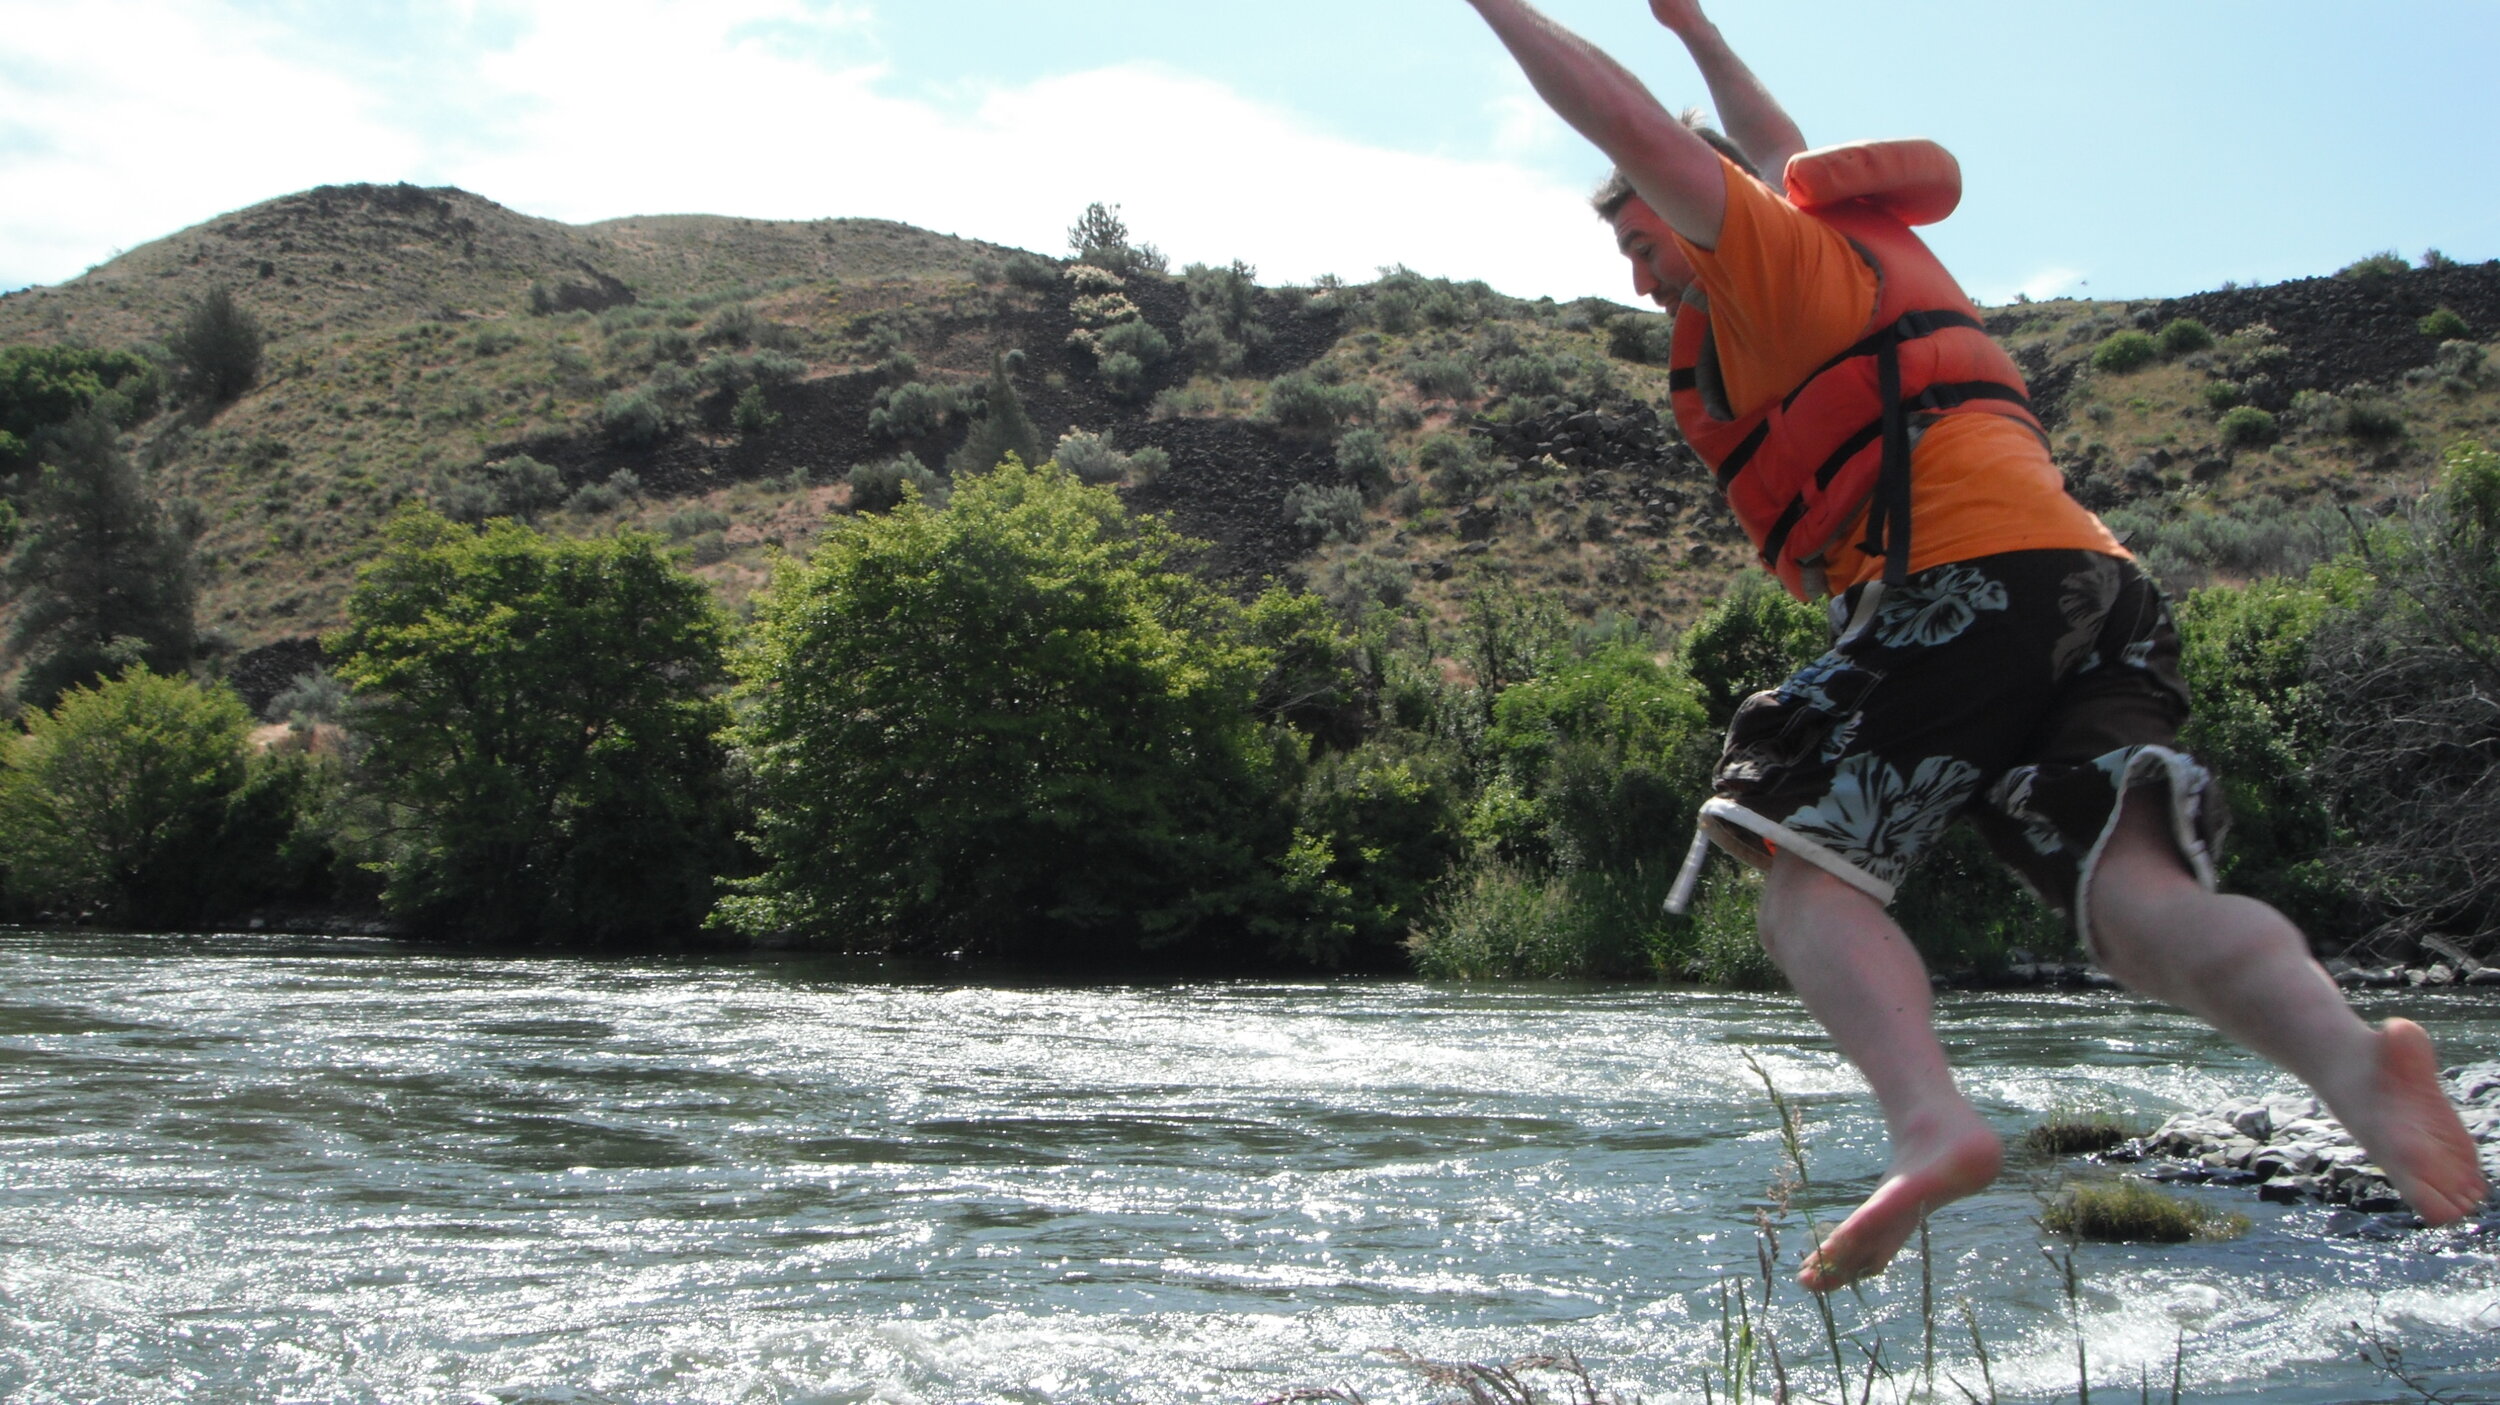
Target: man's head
(1660, 272)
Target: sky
(2128, 148)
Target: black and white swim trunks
(2029, 691)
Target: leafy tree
(137, 800)
(218, 347)
(1005, 429)
(45, 386)
(1100, 237)
(1008, 727)
(101, 576)
(1751, 640)
(539, 718)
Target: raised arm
(1675, 172)
(1759, 126)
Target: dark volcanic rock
(2346, 331)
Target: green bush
(1011, 727)
(633, 420)
(42, 387)
(879, 487)
(1031, 271)
(2445, 324)
(1129, 355)
(2182, 335)
(1363, 456)
(1325, 513)
(538, 714)
(2122, 352)
(754, 415)
(1643, 337)
(138, 800)
(1528, 374)
(1443, 378)
(218, 347)
(2224, 395)
(1751, 640)
(2247, 427)
(913, 410)
(2386, 263)
(2372, 420)
(1300, 403)
(1223, 328)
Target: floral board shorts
(2027, 691)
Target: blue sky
(2119, 149)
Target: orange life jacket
(1799, 469)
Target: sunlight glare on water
(260, 1169)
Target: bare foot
(1931, 1166)
(2406, 1123)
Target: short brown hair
(1618, 192)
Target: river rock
(2289, 1146)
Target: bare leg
(2246, 970)
(1862, 979)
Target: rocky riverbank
(2292, 1150)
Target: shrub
(2122, 352)
(1300, 403)
(2223, 395)
(218, 346)
(2247, 427)
(2387, 263)
(694, 522)
(735, 324)
(592, 499)
(1647, 338)
(1443, 377)
(913, 410)
(2460, 360)
(1751, 640)
(1129, 355)
(1324, 513)
(2372, 420)
(879, 487)
(1030, 271)
(519, 488)
(42, 387)
(1363, 457)
(2131, 1212)
(112, 803)
(2445, 324)
(1528, 374)
(2182, 335)
(1223, 328)
(1091, 457)
(633, 420)
(537, 711)
(752, 414)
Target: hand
(1681, 16)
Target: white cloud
(764, 108)
(2047, 283)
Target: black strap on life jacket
(1888, 513)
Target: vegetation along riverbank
(378, 554)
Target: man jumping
(1997, 655)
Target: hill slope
(419, 336)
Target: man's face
(1660, 272)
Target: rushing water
(252, 1169)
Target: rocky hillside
(1404, 442)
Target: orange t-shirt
(1788, 293)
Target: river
(268, 1169)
